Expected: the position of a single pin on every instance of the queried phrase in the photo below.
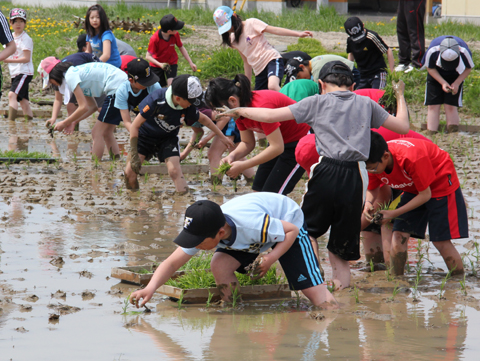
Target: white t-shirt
(23, 42)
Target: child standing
(431, 195)
(277, 170)
(257, 53)
(448, 61)
(161, 50)
(86, 82)
(240, 230)
(341, 121)
(155, 129)
(100, 39)
(20, 65)
(366, 48)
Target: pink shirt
(254, 46)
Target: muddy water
(63, 227)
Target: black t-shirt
(368, 53)
(5, 33)
(161, 119)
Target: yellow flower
(199, 70)
(139, 48)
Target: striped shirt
(5, 33)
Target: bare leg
(111, 141)
(433, 117)
(27, 110)
(387, 231)
(451, 256)
(398, 252)
(169, 81)
(223, 267)
(320, 296)
(340, 271)
(131, 180)
(103, 133)
(12, 100)
(453, 120)
(175, 172)
(274, 83)
(372, 246)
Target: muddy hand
(253, 269)
(135, 162)
(398, 88)
(226, 111)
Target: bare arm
(151, 59)
(206, 121)
(89, 48)
(86, 107)
(287, 32)
(265, 115)
(459, 80)
(57, 105)
(391, 60)
(247, 68)
(421, 198)
(127, 120)
(400, 123)
(246, 145)
(351, 57)
(220, 125)
(10, 49)
(137, 123)
(24, 59)
(162, 274)
(187, 57)
(107, 51)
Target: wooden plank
(186, 169)
(461, 127)
(37, 113)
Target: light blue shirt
(97, 47)
(95, 79)
(125, 91)
(255, 220)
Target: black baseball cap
(334, 67)
(140, 71)
(291, 69)
(354, 28)
(188, 87)
(81, 42)
(170, 22)
(203, 219)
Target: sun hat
(203, 219)
(223, 18)
(45, 67)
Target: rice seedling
(223, 169)
(389, 99)
(441, 294)
(126, 303)
(388, 274)
(355, 294)
(96, 161)
(12, 154)
(372, 266)
(180, 301)
(146, 177)
(236, 296)
(209, 299)
(463, 285)
(395, 291)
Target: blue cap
(223, 18)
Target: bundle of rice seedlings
(389, 99)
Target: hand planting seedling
(392, 90)
(253, 268)
(223, 169)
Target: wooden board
(37, 113)
(186, 169)
(200, 295)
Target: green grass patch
(23, 154)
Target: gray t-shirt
(341, 121)
(124, 48)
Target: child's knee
(175, 172)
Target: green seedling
(297, 295)
(396, 289)
(331, 287)
(463, 285)
(236, 296)
(215, 183)
(474, 270)
(355, 294)
(388, 274)
(146, 178)
(126, 303)
(112, 167)
(441, 294)
(223, 169)
(180, 301)
(96, 161)
(75, 158)
(389, 99)
(209, 300)
(372, 266)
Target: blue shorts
(231, 130)
(109, 114)
(446, 218)
(273, 68)
(299, 263)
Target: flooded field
(64, 226)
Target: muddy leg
(387, 230)
(175, 172)
(372, 245)
(340, 271)
(131, 181)
(223, 267)
(398, 253)
(451, 256)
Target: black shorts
(274, 68)
(280, 174)
(446, 218)
(109, 114)
(334, 197)
(20, 86)
(162, 148)
(299, 263)
(434, 94)
(163, 75)
(377, 228)
(377, 81)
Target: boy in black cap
(341, 121)
(155, 129)
(366, 48)
(449, 62)
(141, 82)
(240, 230)
(161, 50)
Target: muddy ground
(64, 226)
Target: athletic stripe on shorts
(453, 216)
(309, 257)
(383, 79)
(266, 224)
(289, 177)
(108, 108)
(20, 84)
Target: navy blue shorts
(299, 263)
(109, 114)
(162, 148)
(273, 68)
(446, 218)
(20, 86)
(163, 76)
(434, 94)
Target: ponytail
(238, 30)
(220, 89)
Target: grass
(23, 154)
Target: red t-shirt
(291, 131)
(374, 94)
(164, 50)
(418, 164)
(125, 60)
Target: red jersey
(418, 164)
(374, 94)
(164, 50)
(291, 131)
